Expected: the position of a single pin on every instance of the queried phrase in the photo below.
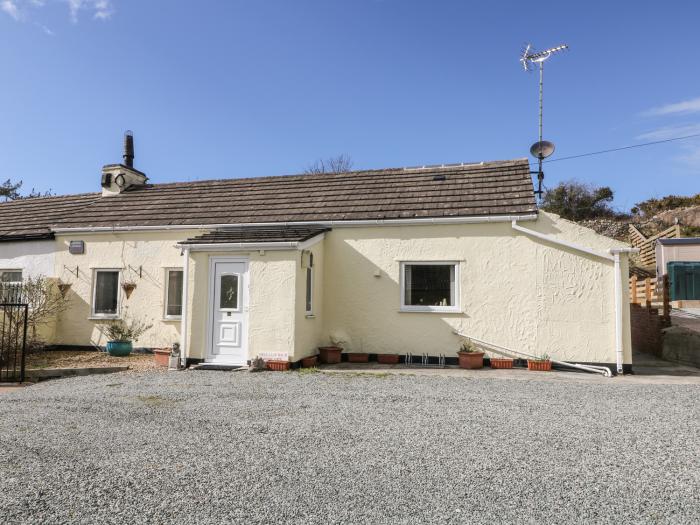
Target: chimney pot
(129, 149)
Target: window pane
(309, 290)
(11, 276)
(174, 293)
(229, 292)
(106, 292)
(429, 285)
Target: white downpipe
(603, 370)
(185, 296)
(618, 312)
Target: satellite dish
(542, 149)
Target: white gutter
(227, 246)
(604, 370)
(183, 321)
(614, 256)
(329, 224)
(555, 240)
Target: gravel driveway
(213, 447)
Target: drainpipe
(618, 306)
(614, 256)
(183, 322)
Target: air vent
(76, 247)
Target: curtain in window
(106, 292)
(174, 306)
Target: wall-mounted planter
(501, 362)
(471, 360)
(309, 362)
(63, 288)
(330, 355)
(540, 366)
(161, 356)
(128, 288)
(277, 365)
(388, 359)
(357, 357)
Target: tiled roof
(28, 219)
(258, 234)
(493, 188)
(484, 189)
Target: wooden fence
(647, 245)
(650, 293)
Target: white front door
(229, 312)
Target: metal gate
(13, 340)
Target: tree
(651, 207)
(577, 201)
(340, 164)
(10, 191)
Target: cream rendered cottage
(390, 261)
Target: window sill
(173, 318)
(104, 317)
(436, 310)
(310, 316)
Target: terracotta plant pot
(471, 360)
(330, 355)
(161, 356)
(309, 362)
(540, 366)
(501, 362)
(356, 357)
(277, 365)
(388, 359)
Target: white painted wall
(34, 258)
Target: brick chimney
(117, 178)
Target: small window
(229, 292)
(106, 293)
(11, 276)
(310, 285)
(429, 287)
(173, 293)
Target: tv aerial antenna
(542, 148)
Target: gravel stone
(217, 447)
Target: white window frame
(167, 291)
(309, 287)
(456, 308)
(117, 315)
(13, 270)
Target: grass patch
(305, 371)
(379, 375)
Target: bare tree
(10, 191)
(340, 164)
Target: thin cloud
(669, 132)
(10, 7)
(679, 108)
(99, 9)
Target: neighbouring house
(390, 261)
(680, 259)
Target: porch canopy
(256, 237)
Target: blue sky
(216, 89)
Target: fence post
(647, 292)
(633, 289)
(666, 299)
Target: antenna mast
(541, 149)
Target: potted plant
(501, 362)
(541, 364)
(388, 359)
(128, 287)
(277, 365)
(470, 357)
(330, 355)
(121, 335)
(309, 362)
